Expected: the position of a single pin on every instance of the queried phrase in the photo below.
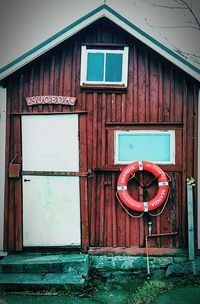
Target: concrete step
(41, 271)
(44, 263)
(39, 279)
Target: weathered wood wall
(159, 96)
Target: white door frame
(44, 160)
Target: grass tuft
(150, 290)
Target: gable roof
(108, 12)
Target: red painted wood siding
(159, 96)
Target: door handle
(89, 173)
(27, 180)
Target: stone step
(45, 263)
(28, 281)
(42, 271)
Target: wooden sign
(48, 99)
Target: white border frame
(172, 145)
(2, 163)
(84, 55)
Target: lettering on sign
(60, 100)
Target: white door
(51, 201)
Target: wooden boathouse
(76, 115)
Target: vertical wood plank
(30, 81)
(100, 202)
(97, 125)
(166, 93)
(123, 107)
(74, 67)
(84, 215)
(153, 89)
(51, 80)
(172, 99)
(141, 87)
(41, 84)
(93, 211)
(26, 108)
(147, 105)
(178, 104)
(103, 131)
(97, 201)
(114, 223)
(7, 156)
(135, 84)
(160, 92)
(113, 107)
(128, 107)
(109, 203)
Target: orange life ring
(128, 200)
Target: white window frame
(84, 55)
(172, 145)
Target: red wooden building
(64, 155)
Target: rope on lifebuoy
(130, 214)
(160, 198)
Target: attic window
(104, 66)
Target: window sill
(104, 87)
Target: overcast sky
(26, 23)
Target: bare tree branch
(165, 6)
(191, 11)
(184, 6)
(195, 58)
(192, 23)
(172, 26)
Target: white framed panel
(51, 211)
(157, 146)
(50, 143)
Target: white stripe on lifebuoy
(122, 188)
(163, 184)
(140, 165)
(146, 209)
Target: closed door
(51, 200)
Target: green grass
(150, 290)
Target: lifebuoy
(128, 200)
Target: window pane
(95, 67)
(141, 146)
(113, 67)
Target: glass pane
(113, 67)
(95, 67)
(143, 146)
